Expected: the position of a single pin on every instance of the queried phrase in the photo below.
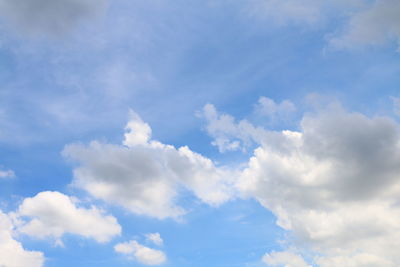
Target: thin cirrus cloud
(333, 184)
(145, 255)
(53, 214)
(144, 176)
(12, 253)
(367, 22)
(49, 16)
(7, 174)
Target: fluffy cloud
(154, 238)
(12, 254)
(54, 214)
(140, 253)
(284, 258)
(7, 174)
(49, 16)
(334, 185)
(144, 175)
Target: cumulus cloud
(228, 134)
(155, 238)
(53, 214)
(140, 253)
(144, 175)
(49, 16)
(334, 185)
(12, 254)
(284, 258)
(7, 174)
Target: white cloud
(269, 108)
(285, 258)
(229, 135)
(154, 238)
(7, 174)
(334, 185)
(49, 16)
(144, 175)
(374, 24)
(12, 254)
(53, 214)
(140, 253)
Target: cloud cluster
(12, 254)
(49, 16)
(52, 214)
(334, 185)
(140, 253)
(145, 176)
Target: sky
(199, 133)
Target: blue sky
(240, 133)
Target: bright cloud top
(12, 254)
(53, 214)
(334, 185)
(140, 253)
(145, 176)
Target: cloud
(228, 135)
(145, 176)
(154, 238)
(284, 258)
(140, 253)
(12, 254)
(334, 185)
(269, 108)
(362, 22)
(7, 174)
(396, 105)
(49, 16)
(374, 24)
(53, 214)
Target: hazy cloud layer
(366, 22)
(12, 254)
(7, 174)
(144, 175)
(334, 185)
(49, 16)
(53, 214)
(145, 255)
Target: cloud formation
(140, 253)
(7, 174)
(155, 238)
(53, 214)
(49, 16)
(12, 254)
(334, 185)
(284, 258)
(144, 175)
